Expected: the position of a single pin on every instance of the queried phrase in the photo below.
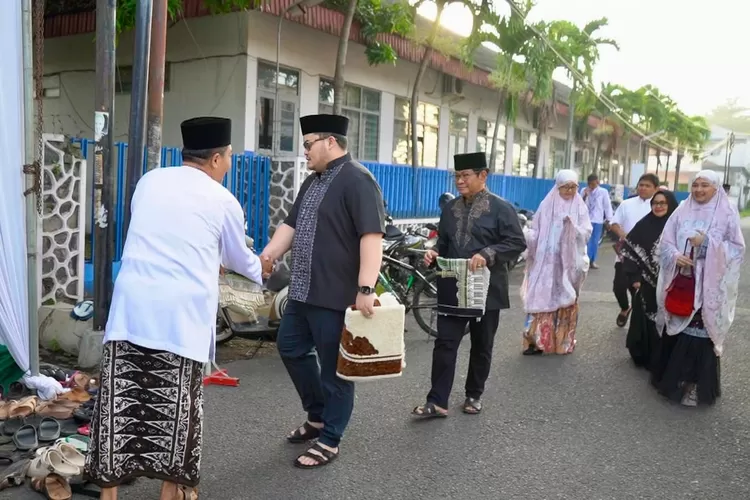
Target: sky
(694, 51)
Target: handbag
(680, 298)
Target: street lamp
(296, 9)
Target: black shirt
(333, 210)
(486, 225)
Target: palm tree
(374, 17)
(691, 134)
(511, 76)
(585, 53)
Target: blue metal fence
(248, 180)
(397, 183)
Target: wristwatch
(366, 290)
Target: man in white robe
(162, 322)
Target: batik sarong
(461, 292)
(148, 419)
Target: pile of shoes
(47, 441)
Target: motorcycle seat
(392, 233)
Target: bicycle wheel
(424, 304)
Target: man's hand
(366, 304)
(429, 257)
(698, 239)
(477, 262)
(267, 264)
(684, 261)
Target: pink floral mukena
(556, 261)
(717, 273)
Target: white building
(225, 65)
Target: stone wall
(60, 230)
(287, 176)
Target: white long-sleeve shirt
(184, 225)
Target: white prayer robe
(184, 225)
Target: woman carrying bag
(701, 251)
(640, 262)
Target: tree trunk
(666, 168)
(597, 152)
(413, 107)
(338, 76)
(493, 148)
(626, 167)
(541, 130)
(658, 162)
(677, 170)
(570, 138)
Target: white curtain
(14, 327)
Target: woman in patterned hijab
(640, 260)
(556, 268)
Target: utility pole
(32, 169)
(569, 140)
(726, 158)
(157, 63)
(104, 106)
(137, 129)
(730, 147)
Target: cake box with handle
(373, 348)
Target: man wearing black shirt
(335, 231)
(483, 228)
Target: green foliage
(126, 10)
(377, 17)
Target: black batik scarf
(639, 249)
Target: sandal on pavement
(321, 456)
(429, 410)
(14, 475)
(622, 318)
(48, 430)
(26, 438)
(304, 434)
(532, 350)
(55, 487)
(472, 406)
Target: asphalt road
(585, 426)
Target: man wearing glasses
(626, 217)
(484, 228)
(335, 231)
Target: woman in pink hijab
(702, 238)
(556, 267)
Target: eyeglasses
(465, 176)
(568, 188)
(660, 204)
(309, 144)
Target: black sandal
(622, 318)
(322, 458)
(428, 410)
(472, 406)
(304, 434)
(532, 351)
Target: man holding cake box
(335, 231)
(478, 235)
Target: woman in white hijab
(556, 267)
(701, 251)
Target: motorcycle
(249, 310)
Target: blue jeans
(309, 334)
(596, 235)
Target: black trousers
(621, 287)
(451, 330)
